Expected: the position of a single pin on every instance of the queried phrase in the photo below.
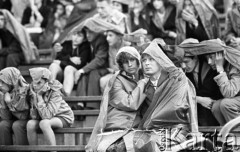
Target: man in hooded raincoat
(225, 60)
(14, 107)
(196, 19)
(16, 46)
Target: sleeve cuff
(221, 78)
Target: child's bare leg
(32, 126)
(68, 82)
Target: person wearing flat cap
(121, 101)
(14, 107)
(48, 110)
(201, 75)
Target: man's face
(90, 35)
(2, 21)
(150, 66)
(103, 8)
(211, 58)
(4, 87)
(189, 64)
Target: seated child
(71, 56)
(48, 109)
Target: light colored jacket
(229, 82)
(19, 105)
(54, 105)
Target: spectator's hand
(78, 75)
(233, 42)
(76, 60)
(143, 82)
(7, 97)
(205, 102)
(88, 149)
(189, 17)
(172, 34)
(57, 47)
(57, 62)
(34, 95)
(219, 61)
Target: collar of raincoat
(158, 55)
(212, 46)
(131, 50)
(10, 76)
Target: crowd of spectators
(95, 39)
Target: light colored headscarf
(10, 76)
(38, 73)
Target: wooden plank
(74, 130)
(86, 112)
(45, 51)
(83, 98)
(79, 148)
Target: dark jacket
(99, 55)
(206, 87)
(160, 29)
(9, 43)
(83, 51)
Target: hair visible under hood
(128, 49)
(212, 46)
(11, 76)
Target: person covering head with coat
(14, 107)
(121, 102)
(201, 75)
(48, 109)
(196, 19)
(225, 60)
(16, 46)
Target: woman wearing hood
(119, 111)
(14, 107)
(48, 109)
(171, 104)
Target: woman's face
(60, 9)
(38, 85)
(188, 6)
(131, 66)
(4, 87)
(112, 38)
(117, 6)
(77, 38)
(138, 4)
(157, 4)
